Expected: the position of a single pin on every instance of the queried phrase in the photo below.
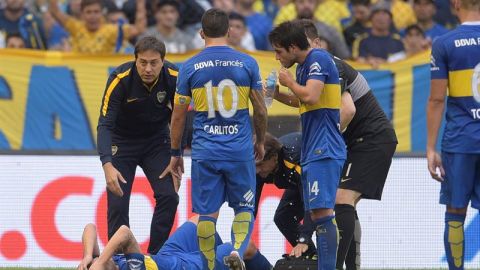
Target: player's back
(456, 56)
(220, 80)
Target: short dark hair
(86, 3)
(272, 146)
(414, 27)
(310, 28)
(288, 34)
(237, 17)
(14, 35)
(162, 3)
(215, 23)
(150, 43)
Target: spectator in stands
(118, 17)
(445, 14)
(91, 35)
(15, 41)
(258, 24)
(166, 30)
(238, 36)
(331, 12)
(57, 36)
(425, 10)
(380, 43)
(15, 18)
(73, 9)
(415, 40)
(360, 23)
(304, 9)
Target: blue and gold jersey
(456, 57)
(219, 79)
(321, 137)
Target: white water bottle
(270, 86)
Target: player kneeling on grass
(181, 251)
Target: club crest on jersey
(315, 69)
(161, 96)
(114, 150)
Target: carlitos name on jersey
(221, 130)
(218, 63)
(466, 42)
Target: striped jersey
(321, 137)
(456, 57)
(219, 79)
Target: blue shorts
(215, 182)
(462, 180)
(320, 182)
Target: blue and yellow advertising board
(51, 100)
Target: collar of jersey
(471, 23)
(153, 85)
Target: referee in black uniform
(133, 129)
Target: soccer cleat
(234, 262)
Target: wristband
(175, 152)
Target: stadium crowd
(369, 31)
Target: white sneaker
(234, 262)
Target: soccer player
(317, 90)
(221, 80)
(371, 142)
(455, 64)
(133, 130)
(179, 252)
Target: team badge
(161, 96)
(114, 150)
(182, 100)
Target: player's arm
(122, 241)
(259, 122)
(140, 20)
(90, 246)
(110, 107)
(285, 98)
(347, 110)
(435, 108)
(308, 94)
(61, 17)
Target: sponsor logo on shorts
(134, 264)
(248, 196)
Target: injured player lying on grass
(122, 252)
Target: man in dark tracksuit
(133, 129)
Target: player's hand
(435, 162)
(84, 263)
(259, 151)
(112, 176)
(175, 168)
(299, 249)
(285, 78)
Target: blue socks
(327, 242)
(258, 262)
(453, 239)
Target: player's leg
(207, 198)
(125, 160)
(345, 217)
(254, 259)
(363, 176)
(153, 163)
(352, 261)
(456, 191)
(320, 182)
(288, 215)
(240, 188)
